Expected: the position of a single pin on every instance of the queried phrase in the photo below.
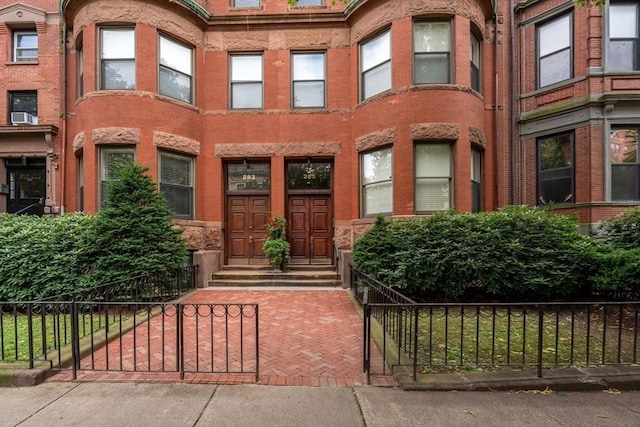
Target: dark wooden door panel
(310, 227)
(246, 219)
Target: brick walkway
(307, 337)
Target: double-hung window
(23, 108)
(176, 70)
(246, 81)
(433, 177)
(476, 180)
(555, 169)
(554, 44)
(377, 182)
(176, 183)
(25, 46)
(625, 165)
(432, 52)
(80, 58)
(375, 63)
(117, 59)
(110, 158)
(475, 63)
(623, 36)
(308, 80)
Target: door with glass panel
(310, 212)
(247, 212)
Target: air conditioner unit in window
(22, 118)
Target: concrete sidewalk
(95, 404)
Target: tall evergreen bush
(134, 234)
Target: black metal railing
(132, 326)
(442, 337)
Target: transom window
(432, 52)
(375, 63)
(110, 158)
(554, 40)
(309, 175)
(25, 46)
(308, 80)
(176, 69)
(246, 81)
(248, 176)
(433, 177)
(117, 60)
(377, 182)
(623, 36)
(625, 166)
(245, 3)
(176, 183)
(555, 169)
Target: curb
(20, 377)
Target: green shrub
(512, 253)
(41, 256)
(623, 231)
(617, 274)
(134, 234)
(277, 251)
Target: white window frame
(375, 57)
(19, 51)
(309, 3)
(240, 77)
(545, 35)
(372, 183)
(123, 56)
(80, 61)
(476, 179)
(106, 176)
(179, 64)
(433, 178)
(432, 53)
(245, 3)
(165, 185)
(300, 77)
(475, 62)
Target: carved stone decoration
(435, 131)
(176, 143)
(116, 135)
(377, 139)
(476, 136)
(78, 142)
(277, 149)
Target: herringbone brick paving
(307, 338)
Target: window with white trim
(80, 165)
(377, 182)
(625, 165)
(433, 174)
(176, 183)
(301, 3)
(117, 58)
(375, 65)
(432, 52)
(308, 79)
(25, 46)
(555, 53)
(246, 81)
(245, 3)
(475, 62)
(80, 59)
(175, 78)
(624, 37)
(476, 180)
(110, 158)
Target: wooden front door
(246, 219)
(311, 228)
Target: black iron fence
(132, 326)
(442, 337)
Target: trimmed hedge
(516, 252)
(40, 256)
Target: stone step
(263, 276)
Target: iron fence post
(415, 342)
(540, 335)
(30, 333)
(180, 343)
(257, 346)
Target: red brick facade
(502, 120)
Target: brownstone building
(326, 114)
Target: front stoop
(296, 275)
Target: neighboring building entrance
(310, 212)
(27, 185)
(247, 212)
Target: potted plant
(275, 247)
